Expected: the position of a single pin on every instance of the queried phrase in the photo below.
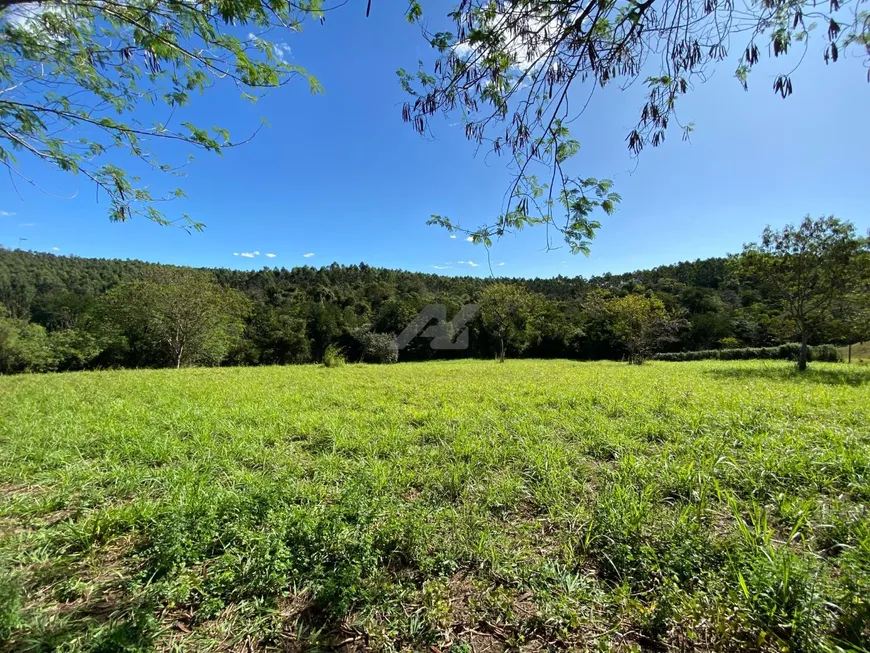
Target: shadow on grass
(108, 623)
(841, 376)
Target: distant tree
(561, 330)
(74, 349)
(24, 347)
(513, 315)
(123, 322)
(62, 310)
(641, 324)
(379, 347)
(76, 75)
(16, 295)
(729, 342)
(507, 70)
(274, 336)
(325, 327)
(804, 269)
(395, 314)
(708, 329)
(852, 308)
(184, 313)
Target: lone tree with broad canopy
(506, 69)
(641, 324)
(182, 313)
(76, 76)
(806, 268)
(513, 315)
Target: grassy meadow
(462, 506)
(860, 353)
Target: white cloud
(32, 16)
(442, 267)
(473, 264)
(235, 253)
(271, 255)
(7, 214)
(470, 239)
(256, 253)
(248, 255)
(279, 50)
(453, 236)
(55, 249)
(27, 15)
(308, 254)
(27, 224)
(463, 50)
(525, 51)
(500, 264)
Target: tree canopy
(183, 315)
(76, 75)
(513, 314)
(806, 268)
(507, 69)
(68, 313)
(642, 324)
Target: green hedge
(791, 351)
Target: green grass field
(467, 506)
(860, 353)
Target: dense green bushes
(789, 351)
(27, 347)
(379, 347)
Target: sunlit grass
(860, 353)
(531, 504)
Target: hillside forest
(60, 313)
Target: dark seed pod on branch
(751, 54)
(782, 85)
(798, 18)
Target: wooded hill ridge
(279, 316)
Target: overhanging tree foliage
(74, 76)
(507, 68)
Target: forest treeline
(68, 313)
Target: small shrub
(825, 353)
(379, 348)
(333, 356)
(729, 343)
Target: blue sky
(340, 176)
